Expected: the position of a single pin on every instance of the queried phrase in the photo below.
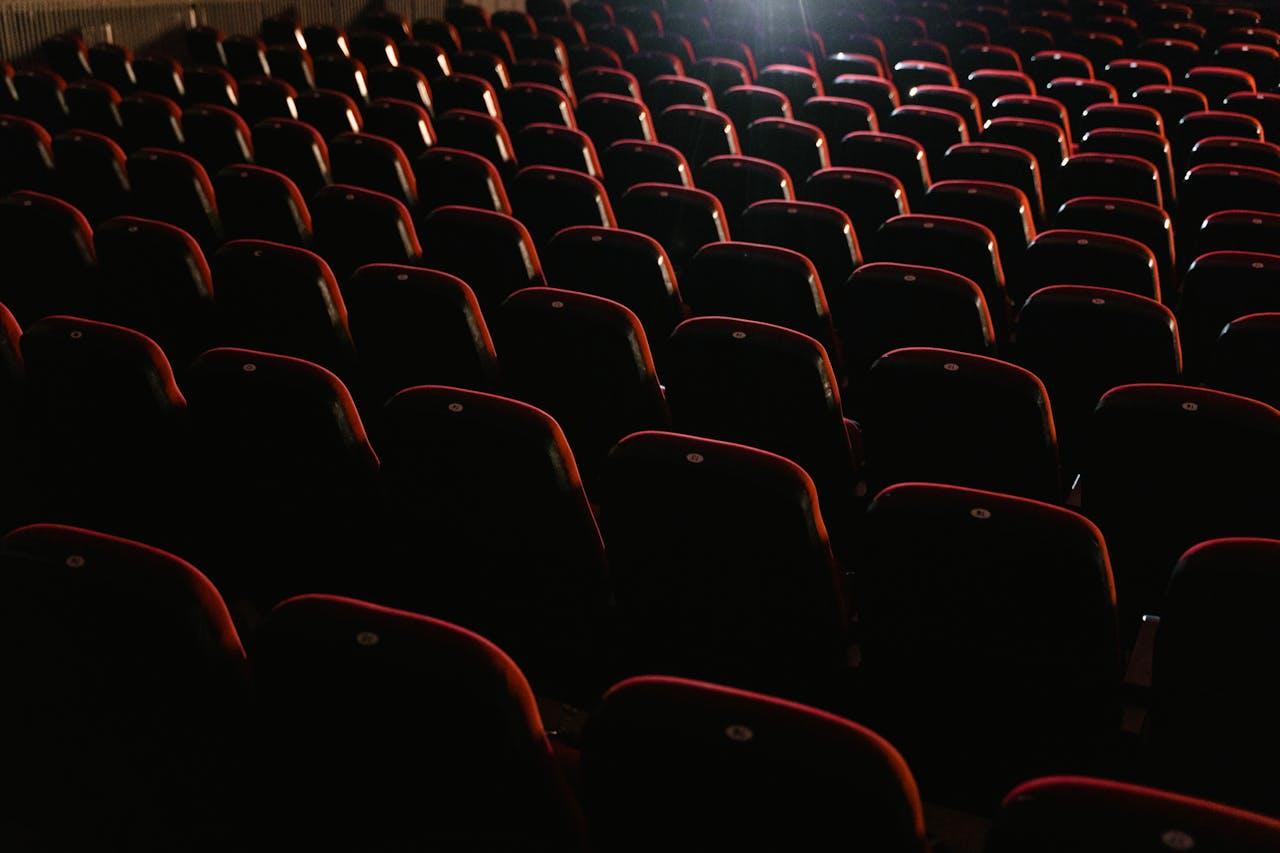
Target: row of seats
(712, 266)
(883, 332)
(922, 413)
(720, 560)
(127, 667)
(932, 103)
(548, 199)
(351, 228)
(1048, 169)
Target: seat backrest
(696, 527)
(1243, 355)
(128, 672)
(765, 283)
(155, 280)
(947, 602)
(492, 252)
(1218, 288)
(943, 416)
(487, 507)
(278, 420)
(763, 386)
(886, 306)
(1209, 718)
(682, 219)
(1055, 814)
(626, 266)
(448, 176)
(691, 750)
(48, 249)
(418, 327)
(355, 226)
(175, 188)
(262, 204)
(585, 360)
(281, 299)
(372, 679)
(1153, 499)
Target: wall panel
(158, 24)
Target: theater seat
(682, 219)
(1210, 715)
(1060, 813)
(942, 416)
(585, 360)
(374, 163)
(822, 233)
(262, 98)
(610, 118)
(1065, 256)
(667, 758)
(154, 121)
(283, 481)
(1001, 207)
(1243, 355)
(768, 387)
(957, 245)
(746, 104)
(868, 197)
(329, 112)
(886, 306)
(261, 204)
(109, 425)
(128, 675)
(216, 136)
(296, 150)
(530, 103)
(27, 155)
(175, 188)
(695, 527)
(630, 162)
(1121, 217)
(838, 117)
(562, 147)
(95, 106)
(1153, 500)
(479, 133)
(1218, 288)
(48, 250)
(406, 124)
(699, 133)
(92, 174)
(355, 226)
(154, 280)
(739, 181)
(448, 176)
(418, 327)
(493, 253)
(350, 690)
(798, 147)
(284, 300)
(948, 609)
(548, 199)
(752, 281)
(1084, 341)
(625, 266)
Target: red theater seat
(691, 752)
(679, 515)
(369, 676)
(1055, 814)
(944, 599)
